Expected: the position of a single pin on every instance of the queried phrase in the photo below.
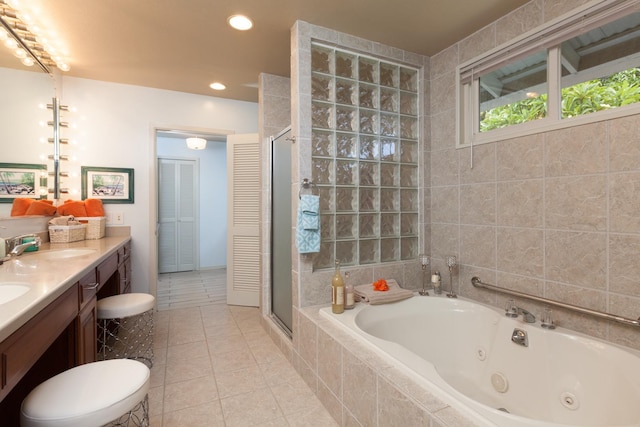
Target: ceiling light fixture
(19, 33)
(217, 86)
(240, 22)
(196, 143)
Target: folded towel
(366, 293)
(307, 240)
(64, 220)
(20, 206)
(41, 207)
(94, 207)
(72, 207)
(310, 206)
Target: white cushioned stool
(125, 327)
(110, 392)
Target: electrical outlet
(118, 218)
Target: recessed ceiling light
(240, 22)
(217, 86)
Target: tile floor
(192, 288)
(216, 366)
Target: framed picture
(111, 185)
(22, 180)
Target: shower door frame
(281, 232)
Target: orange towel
(72, 207)
(20, 206)
(41, 207)
(94, 207)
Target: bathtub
(462, 352)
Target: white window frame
(549, 36)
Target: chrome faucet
(15, 246)
(512, 310)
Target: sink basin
(64, 253)
(12, 290)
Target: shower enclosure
(281, 298)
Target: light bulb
(3, 34)
(63, 67)
(10, 43)
(28, 61)
(240, 22)
(20, 53)
(217, 86)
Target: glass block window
(364, 114)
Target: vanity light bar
(28, 46)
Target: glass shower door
(281, 297)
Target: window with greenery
(585, 67)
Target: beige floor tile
(183, 335)
(279, 372)
(249, 409)
(178, 370)
(156, 399)
(314, 417)
(239, 381)
(215, 365)
(205, 415)
(158, 372)
(189, 393)
(187, 351)
(226, 344)
(233, 360)
(225, 330)
(294, 396)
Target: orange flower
(380, 285)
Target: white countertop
(48, 278)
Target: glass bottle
(436, 281)
(337, 291)
(349, 297)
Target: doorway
(190, 220)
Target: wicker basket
(66, 233)
(95, 226)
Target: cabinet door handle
(90, 286)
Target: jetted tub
(463, 352)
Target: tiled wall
(555, 214)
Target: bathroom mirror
(23, 124)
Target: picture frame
(22, 180)
(111, 185)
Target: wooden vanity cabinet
(20, 352)
(61, 336)
(124, 268)
(86, 346)
(108, 282)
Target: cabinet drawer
(88, 287)
(25, 346)
(107, 268)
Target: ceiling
(184, 45)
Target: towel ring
(306, 184)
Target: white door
(177, 207)
(243, 220)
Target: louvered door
(243, 220)
(176, 215)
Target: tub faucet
(512, 310)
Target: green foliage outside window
(617, 90)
